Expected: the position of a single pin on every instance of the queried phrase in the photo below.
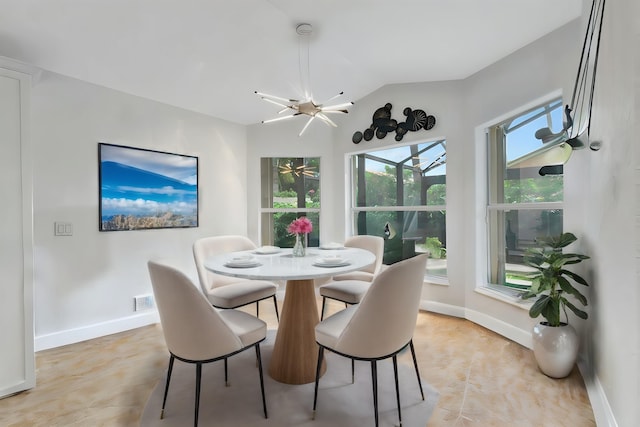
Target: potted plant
(555, 343)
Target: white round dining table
(294, 357)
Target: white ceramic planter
(555, 349)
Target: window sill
(428, 278)
(505, 295)
(436, 280)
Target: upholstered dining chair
(230, 292)
(195, 332)
(349, 288)
(379, 327)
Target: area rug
(340, 403)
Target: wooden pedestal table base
(295, 352)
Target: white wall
(611, 218)
(85, 284)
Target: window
(400, 194)
(525, 194)
(290, 189)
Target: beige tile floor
(483, 379)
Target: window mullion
(525, 206)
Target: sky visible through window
(398, 154)
(521, 140)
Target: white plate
(265, 250)
(242, 263)
(324, 262)
(332, 246)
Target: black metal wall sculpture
(382, 124)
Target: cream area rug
(340, 403)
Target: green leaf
(566, 286)
(572, 256)
(551, 312)
(575, 277)
(534, 261)
(581, 314)
(535, 286)
(565, 239)
(560, 241)
(538, 306)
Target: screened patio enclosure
(399, 193)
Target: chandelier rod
(304, 58)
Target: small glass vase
(299, 249)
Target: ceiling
(210, 56)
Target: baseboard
(507, 330)
(602, 411)
(72, 336)
(441, 308)
(498, 326)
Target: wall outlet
(143, 302)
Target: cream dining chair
(349, 288)
(197, 333)
(379, 327)
(230, 292)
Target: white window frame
(353, 209)
(263, 210)
(482, 249)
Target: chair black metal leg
(226, 375)
(197, 406)
(353, 371)
(258, 309)
(324, 300)
(264, 401)
(275, 305)
(166, 387)
(415, 365)
(395, 374)
(315, 393)
(374, 381)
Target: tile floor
(483, 379)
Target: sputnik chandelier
(297, 170)
(307, 106)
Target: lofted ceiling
(210, 56)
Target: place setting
(330, 261)
(267, 250)
(243, 261)
(332, 246)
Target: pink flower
(301, 225)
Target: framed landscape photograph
(145, 189)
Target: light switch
(63, 229)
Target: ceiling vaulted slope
(210, 56)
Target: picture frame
(142, 189)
